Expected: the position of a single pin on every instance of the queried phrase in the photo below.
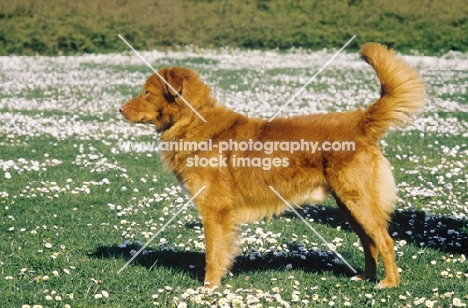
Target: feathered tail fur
(402, 90)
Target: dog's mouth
(136, 120)
(161, 122)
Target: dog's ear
(175, 78)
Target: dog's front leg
(221, 244)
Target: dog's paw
(363, 276)
(358, 277)
(385, 284)
(210, 286)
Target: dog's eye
(146, 92)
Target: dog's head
(161, 102)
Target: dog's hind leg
(370, 250)
(371, 228)
(367, 199)
(221, 245)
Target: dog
(237, 182)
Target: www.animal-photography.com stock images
(251, 153)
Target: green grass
(65, 27)
(68, 225)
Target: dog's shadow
(415, 227)
(418, 228)
(193, 263)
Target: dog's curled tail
(402, 90)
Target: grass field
(55, 27)
(75, 205)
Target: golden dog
(237, 180)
